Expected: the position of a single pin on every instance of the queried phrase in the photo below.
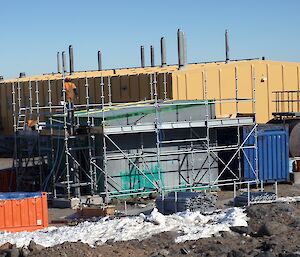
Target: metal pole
(87, 101)
(14, 106)
(71, 59)
(38, 129)
(207, 127)
(30, 99)
(255, 128)
(248, 191)
(236, 90)
(58, 62)
(19, 95)
(142, 57)
(99, 61)
(226, 46)
(184, 48)
(151, 87)
(238, 127)
(157, 131)
(109, 91)
(67, 163)
(104, 142)
(63, 57)
(234, 189)
(276, 190)
(15, 163)
(180, 49)
(51, 134)
(152, 56)
(163, 53)
(91, 167)
(37, 103)
(165, 86)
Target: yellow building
(235, 79)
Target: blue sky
(32, 31)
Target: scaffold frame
(70, 180)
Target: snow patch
(189, 225)
(289, 199)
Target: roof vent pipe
(180, 49)
(22, 75)
(99, 60)
(58, 62)
(226, 46)
(63, 57)
(163, 52)
(71, 59)
(142, 57)
(152, 56)
(184, 48)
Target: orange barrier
(23, 211)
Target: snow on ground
(289, 199)
(190, 226)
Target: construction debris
(89, 212)
(254, 197)
(186, 201)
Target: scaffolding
(77, 166)
(287, 104)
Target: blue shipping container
(273, 153)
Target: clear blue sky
(32, 31)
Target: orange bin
(23, 211)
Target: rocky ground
(274, 230)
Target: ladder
(21, 122)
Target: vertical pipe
(109, 91)
(13, 91)
(30, 99)
(184, 48)
(91, 168)
(157, 131)
(180, 49)
(37, 103)
(63, 57)
(99, 61)
(66, 138)
(207, 128)
(104, 149)
(152, 56)
(163, 52)
(71, 59)
(58, 62)
(51, 133)
(253, 74)
(142, 57)
(151, 87)
(16, 154)
(165, 86)
(248, 191)
(226, 46)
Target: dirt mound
(274, 230)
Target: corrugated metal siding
(273, 154)
(129, 85)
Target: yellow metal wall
(220, 80)
(124, 88)
(129, 85)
